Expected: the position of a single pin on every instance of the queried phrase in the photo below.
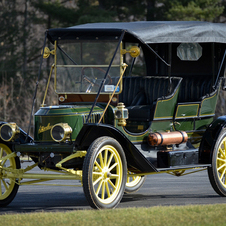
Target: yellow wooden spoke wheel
(104, 173)
(134, 183)
(8, 186)
(217, 172)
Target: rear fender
(209, 139)
(134, 157)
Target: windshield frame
(75, 65)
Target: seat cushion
(139, 99)
(140, 112)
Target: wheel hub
(105, 173)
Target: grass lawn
(166, 215)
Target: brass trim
(47, 86)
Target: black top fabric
(146, 31)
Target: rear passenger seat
(193, 89)
(141, 93)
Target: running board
(184, 167)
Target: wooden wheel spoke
(222, 152)
(5, 185)
(97, 180)
(3, 163)
(109, 160)
(101, 160)
(220, 159)
(110, 182)
(99, 187)
(98, 165)
(103, 190)
(219, 168)
(105, 157)
(107, 189)
(222, 174)
(128, 179)
(97, 173)
(113, 166)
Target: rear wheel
(104, 173)
(217, 171)
(134, 183)
(8, 186)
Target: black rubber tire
(135, 186)
(7, 196)
(217, 168)
(105, 174)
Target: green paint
(187, 110)
(75, 116)
(208, 105)
(165, 108)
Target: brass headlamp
(61, 132)
(9, 131)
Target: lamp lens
(6, 132)
(58, 133)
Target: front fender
(135, 158)
(209, 139)
(22, 137)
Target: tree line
(23, 23)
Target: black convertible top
(146, 31)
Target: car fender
(134, 157)
(209, 139)
(22, 137)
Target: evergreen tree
(203, 10)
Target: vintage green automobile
(135, 99)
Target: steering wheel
(94, 81)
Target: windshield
(82, 65)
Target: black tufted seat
(194, 88)
(141, 93)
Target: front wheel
(104, 173)
(8, 186)
(217, 171)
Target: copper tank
(167, 138)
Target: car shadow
(27, 203)
(75, 201)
